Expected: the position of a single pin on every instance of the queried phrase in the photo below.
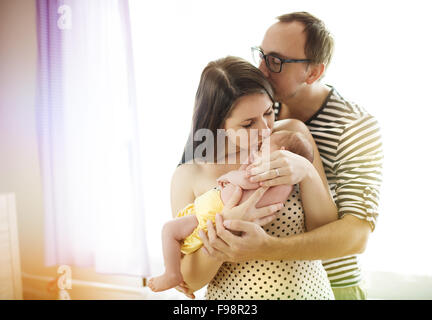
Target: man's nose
(263, 68)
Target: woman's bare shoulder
(183, 186)
(187, 170)
(186, 176)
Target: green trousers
(350, 293)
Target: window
(87, 138)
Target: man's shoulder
(344, 107)
(340, 122)
(359, 131)
(344, 113)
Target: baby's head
(292, 141)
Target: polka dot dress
(284, 279)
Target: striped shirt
(348, 139)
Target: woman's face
(253, 111)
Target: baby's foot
(165, 282)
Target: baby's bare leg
(173, 233)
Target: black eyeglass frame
(264, 56)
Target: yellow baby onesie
(204, 207)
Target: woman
(233, 94)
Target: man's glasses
(273, 63)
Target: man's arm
(358, 170)
(346, 236)
(343, 237)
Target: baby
(180, 235)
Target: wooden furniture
(10, 268)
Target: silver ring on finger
(277, 172)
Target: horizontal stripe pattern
(348, 139)
(343, 272)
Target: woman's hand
(220, 243)
(282, 167)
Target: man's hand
(184, 288)
(222, 244)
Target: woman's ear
(315, 72)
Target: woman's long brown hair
(222, 83)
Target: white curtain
(88, 137)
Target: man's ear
(315, 72)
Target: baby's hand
(222, 181)
(244, 181)
(238, 178)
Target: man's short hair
(319, 42)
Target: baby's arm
(274, 195)
(173, 233)
(238, 178)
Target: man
(294, 55)
(346, 135)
